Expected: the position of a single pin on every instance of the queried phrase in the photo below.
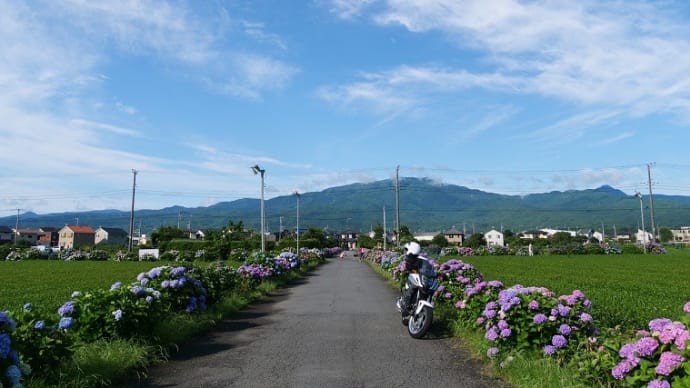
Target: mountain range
(424, 206)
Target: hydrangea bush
(12, 370)
(658, 357)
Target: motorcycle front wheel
(420, 323)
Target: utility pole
(280, 232)
(258, 170)
(644, 232)
(385, 235)
(651, 201)
(16, 227)
(131, 214)
(397, 205)
(296, 194)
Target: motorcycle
(420, 312)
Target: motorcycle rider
(412, 251)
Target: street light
(644, 233)
(258, 170)
(296, 194)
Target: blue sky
(505, 96)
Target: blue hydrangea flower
(115, 286)
(65, 323)
(5, 343)
(27, 307)
(13, 374)
(39, 325)
(117, 314)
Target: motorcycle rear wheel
(419, 324)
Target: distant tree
(405, 234)
(561, 239)
(365, 241)
(315, 234)
(508, 234)
(665, 234)
(165, 234)
(475, 241)
(378, 233)
(440, 240)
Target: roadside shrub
(40, 341)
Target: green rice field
(49, 284)
(627, 290)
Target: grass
(47, 284)
(626, 290)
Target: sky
(505, 96)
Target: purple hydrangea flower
(66, 309)
(491, 334)
(155, 272)
(506, 333)
(563, 311)
(502, 324)
(584, 317)
(626, 351)
(533, 305)
(658, 324)
(686, 308)
(667, 362)
(622, 369)
(549, 350)
(480, 321)
(539, 319)
(645, 346)
(565, 329)
(490, 313)
(460, 304)
(558, 341)
(658, 384)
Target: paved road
(336, 327)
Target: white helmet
(413, 248)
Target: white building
(681, 235)
(642, 236)
(494, 237)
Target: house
(642, 237)
(30, 235)
(110, 236)
(494, 238)
(533, 234)
(49, 237)
(681, 235)
(75, 236)
(6, 234)
(454, 236)
(349, 239)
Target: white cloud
(628, 58)
(615, 139)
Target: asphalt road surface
(336, 327)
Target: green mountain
(424, 206)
